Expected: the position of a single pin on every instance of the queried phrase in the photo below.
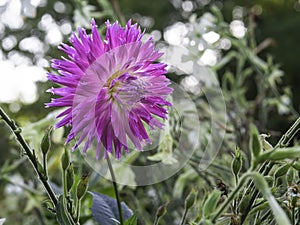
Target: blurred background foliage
(50, 22)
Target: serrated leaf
(105, 209)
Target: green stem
(117, 10)
(67, 201)
(65, 184)
(156, 220)
(284, 140)
(32, 158)
(45, 166)
(184, 216)
(78, 210)
(115, 188)
(231, 196)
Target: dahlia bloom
(111, 89)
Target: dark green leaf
(105, 209)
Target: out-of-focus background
(31, 30)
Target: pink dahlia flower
(111, 89)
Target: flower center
(110, 80)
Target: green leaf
(296, 166)
(282, 170)
(61, 212)
(132, 220)
(255, 141)
(263, 187)
(211, 203)
(280, 154)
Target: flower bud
(190, 199)
(162, 210)
(65, 160)
(237, 162)
(82, 186)
(45, 144)
(70, 177)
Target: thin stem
(293, 215)
(184, 216)
(31, 156)
(45, 166)
(284, 140)
(117, 10)
(115, 188)
(156, 220)
(78, 211)
(66, 194)
(67, 201)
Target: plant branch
(115, 188)
(30, 154)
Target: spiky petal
(111, 89)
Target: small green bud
(65, 159)
(237, 162)
(190, 199)
(18, 130)
(46, 144)
(70, 177)
(162, 210)
(82, 187)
